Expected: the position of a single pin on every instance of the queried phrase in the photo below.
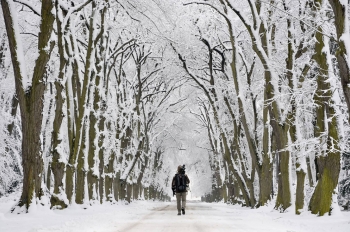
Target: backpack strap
(177, 181)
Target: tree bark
(31, 100)
(300, 195)
(340, 18)
(57, 166)
(328, 160)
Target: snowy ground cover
(161, 216)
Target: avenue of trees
(90, 105)
(275, 80)
(95, 82)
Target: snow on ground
(161, 216)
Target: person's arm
(188, 180)
(173, 186)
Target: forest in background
(102, 99)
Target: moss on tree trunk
(327, 161)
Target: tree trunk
(57, 166)
(109, 178)
(81, 145)
(101, 157)
(129, 192)
(80, 171)
(328, 161)
(321, 200)
(92, 178)
(341, 20)
(117, 186)
(283, 200)
(265, 169)
(300, 196)
(31, 100)
(309, 172)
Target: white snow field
(162, 216)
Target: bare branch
(28, 33)
(29, 5)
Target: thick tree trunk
(327, 161)
(31, 100)
(280, 132)
(283, 200)
(328, 168)
(280, 129)
(321, 201)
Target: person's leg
(178, 201)
(183, 202)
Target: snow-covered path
(149, 216)
(203, 217)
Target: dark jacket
(173, 182)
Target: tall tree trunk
(92, 156)
(327, 161)
(255, 159)
(73, 94)
(341, 20)
(291, 115)
(31, 100)
(81, 145)
(57, 166)
(265, 169)
(283, 200)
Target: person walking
(179, 186)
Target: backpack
(180, 183)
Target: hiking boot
(178, 213)
(183, 211)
